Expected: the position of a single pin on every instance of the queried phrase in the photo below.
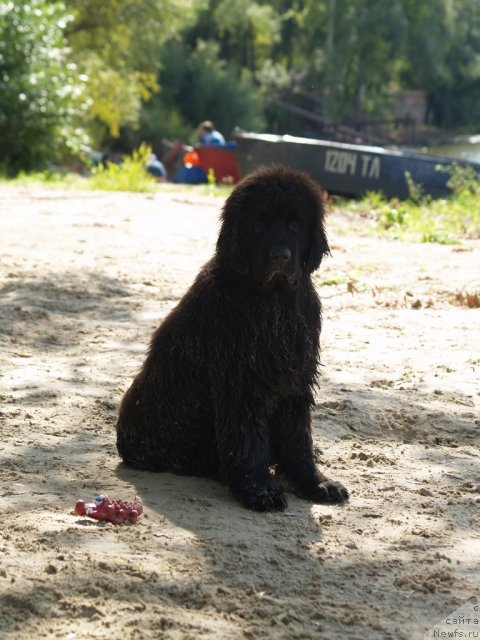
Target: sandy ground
(85, 277)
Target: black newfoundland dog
(227, 386)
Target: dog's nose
(281, 255)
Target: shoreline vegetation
(418, 219)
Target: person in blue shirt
(209, 136)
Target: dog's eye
(294, 226)
(259, 227)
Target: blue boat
(350, 169)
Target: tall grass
(131, 175)
(422, 219)
(48, 179)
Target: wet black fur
(227, 387)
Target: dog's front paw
(266, 499)
(328, 491)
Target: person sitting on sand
(209, 136)
(156, 168)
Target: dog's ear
(230, 247)
(318, 244)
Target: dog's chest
(282, 353)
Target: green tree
(198, 85)
(443, 57)
(40, 91)
(245, 31)
(356, 45)
(117, 46)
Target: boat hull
(349, 169)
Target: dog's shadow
(245, 548)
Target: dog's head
(273, 227)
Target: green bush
(40, 93)
(131, 175)
(194, 86)
(157, 122)
(422, 219)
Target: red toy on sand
(115, 511)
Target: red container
(222, 161)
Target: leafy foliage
(117, 44)
(128, 176)
(153, 69)
(425, 220)
(442, 56)
(197, 86)
(350, 54)
(40, 91)
(205, 86)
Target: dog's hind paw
(329, 491)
